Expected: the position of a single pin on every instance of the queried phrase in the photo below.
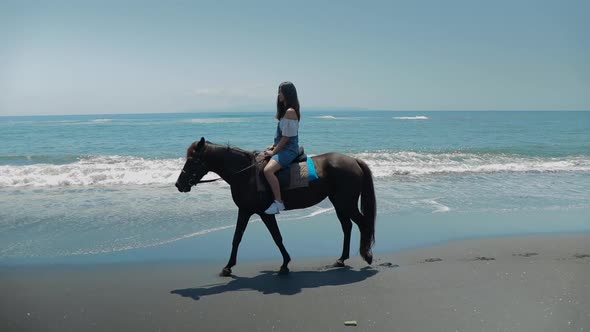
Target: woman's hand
(267, 153)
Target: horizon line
(312, 110)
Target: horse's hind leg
(345, 203)
(347, 230)
(271, 223)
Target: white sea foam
(23, 248)
(312, 214)
(438, 207)
(95, 171)
(384, 164)
(128, 170)
(56, 121)
(66, 122)
(143, 245)
(332, 117)
(419, 117)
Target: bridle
(204, 165)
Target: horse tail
(369, 212)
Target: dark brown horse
(341, 178)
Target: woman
(286, 144)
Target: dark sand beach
(527, 283)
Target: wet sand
(531, 283)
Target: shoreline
(86, 260)
(321, 236)
(515, 283)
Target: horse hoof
(284, 271)
(339, 263)
(225, 272)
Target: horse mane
(240, 150)
(227, 147)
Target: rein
(243, 169)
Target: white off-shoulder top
(289, 127)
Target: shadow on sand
(268, 282)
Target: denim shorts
(285, 157)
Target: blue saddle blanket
(312, 175)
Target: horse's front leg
(271, 223)
(243, 218)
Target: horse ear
(201, 143)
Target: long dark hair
(291, 100)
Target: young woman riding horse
(342, 179)
(286, 144)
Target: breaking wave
(130, 170)
(419, 117)
(384, 164)
(94, 170)
(332, 117)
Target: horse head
(194, 168)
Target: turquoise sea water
(80, 188)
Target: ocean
(101, 187)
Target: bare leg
(269, 173)
(243, 218)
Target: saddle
(295, 175)
(301, 157)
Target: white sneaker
(275, 208)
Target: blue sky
(96, 57)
